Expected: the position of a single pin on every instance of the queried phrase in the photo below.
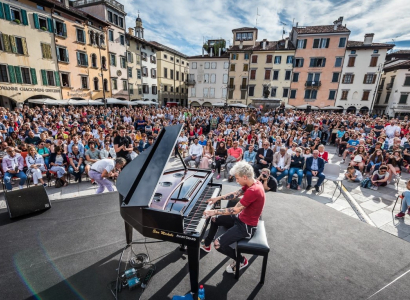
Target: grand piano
(167, 204)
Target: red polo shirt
(254, 200)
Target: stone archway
(351, 109)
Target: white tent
(331, 108)
(288, 106)
(218, 104)
(78, 102)
(116, 101)
(237, 105)
(304, 106)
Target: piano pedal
(182, 248)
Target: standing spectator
(122, 145)
(13, 164)
(314, 167)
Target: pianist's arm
(226, 211)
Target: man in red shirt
(242, 219)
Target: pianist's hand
(212, 200)
(209, 213)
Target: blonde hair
(242, 168)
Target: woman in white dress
(35, 165)
(208, 154)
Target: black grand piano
(167, 205)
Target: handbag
(58, 183)
(366, 183)
(294, 184)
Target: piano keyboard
(195, 220)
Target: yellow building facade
(134, 65)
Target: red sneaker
(205, 248)
(400, 215)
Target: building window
(298, 62)
(225, 79)
(138, 73)
(295, 77)
(267, 74)
(275, 75)
(171, 58)
(205, 91)
(254, 59)
(213, 65)
(144, 72)
(387, 98)
(273, 92)
(171, 73)
(226, 65)
(403, 98)
(3, 74)
(332, 95)
(50, 78)
(285, 92)
(121, 22)
(46, 51)
(321, 43)
(292, 94)
(129, 72)
(182, 76)
(213, 78)
(193, 65)
(348, 78)
(379, 95)
(177, 76)
(65, 79)
(289, 59)
(93, 60)
(122, 39)
(406, 81)
(115, 19)
(268, 59)
(244, 36)
(245, 67)
(114, 83)
(165, 73)
(15, 14)
(317, 62)
(338, 61)
(344, 95)
(335, 77)
(342, 42)
(243, 94)
(278, 60)
(287, 75)
(369, 78)
(113, 60)
(82, 59)
(110, 16)
(251, 92)
(62, 54)
(310, 94)
(301, 44)
(253, 74)
(95, 81)
(206, 65)
(365, 95)
(80, 36)
(84, 82)
(124, 85)
(123, 62)
(111, 35)
(25, 74)
(206, 78)
(232, 67)
(373, 61)
(166, 56)
(353, 52)
(375, 51)
(351, 62)
(246, 56)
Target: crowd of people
(279, 144)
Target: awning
(288, 106)
(402, 110)
(237, 105)
(218, 104)
(331, 108)
(116, 101)
(304, 106)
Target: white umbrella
(304, 106)
(37, 101)
(288, 106)
(56, 102)
(115, 101)
(218, 104)
(331, 108)
(237, 105)
(78, 102)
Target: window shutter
(327, 42)
(86, 60)
(1, 11)
(66, 55)
(352, 78)
(44, 77)
(12, 74)
(13, 44)
(58, 53)
(343, 80)
(316, 43)
(365, 77)
(33, 76)
(302, 61)
(323, 62)
(17, 71)
(304, 43)
(36, 22)
(24, 44)
(7, 13)
(64, 30)
(24, 16)
(6, 42)
(57, 78)
(374, 78)
(50, 25)
(78, 58)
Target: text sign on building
(27, 89)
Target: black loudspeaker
(27, 201)
(308, 108)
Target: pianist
(241, 219)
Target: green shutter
(44, 77)
(17, 70)
(66, 55)
(12, 74)
(57, 75)
(13, 44)
(78, 59)
(1, 11)
(6, 42)
(24, 44)
(7, 13)
(33, 76)
(50, 25)
(36, 22)
(86, 60)
(58, 54)
(24, 16)
(64, 30)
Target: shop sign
(27, 89)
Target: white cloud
(182, 24)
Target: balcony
(190, 82)
(313, 83)
(389, 86)
(380, 87)
(113, 3)
(231, 86)
(244, 86)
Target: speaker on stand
(27, 201)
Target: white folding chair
(332, 173)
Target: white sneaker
(21, 187)
(232, 267)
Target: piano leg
(128, 232)
(193, 264)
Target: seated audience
(280, 163)
(297, 163)
(353, 175)
(76, 163)
(268, 181)
(13, 164)
(35, 166)
(314, 168)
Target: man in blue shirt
(202, 141)
(314, 167)
(351, 146)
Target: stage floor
(71, 252)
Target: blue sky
(184, 24)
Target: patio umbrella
(331, 108)
(237, 105)
(304, 106)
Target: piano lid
(138, 180)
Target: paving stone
(372, 205)
(348, 211)
(380, 217)
(394, 231)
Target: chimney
(220, 50)
(286, 43)
(337, 23)
(241, 44)
(368, 38)
(297, 24)
(210, 53)
(131, 31)
(264, 44)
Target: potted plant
(206, 47)
(44, 28)
(17, 21)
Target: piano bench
(257, 245)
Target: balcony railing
(244, 86)
(389, 86)
(190, 82)
(313, 83)
(231, 86)
(113, 3)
